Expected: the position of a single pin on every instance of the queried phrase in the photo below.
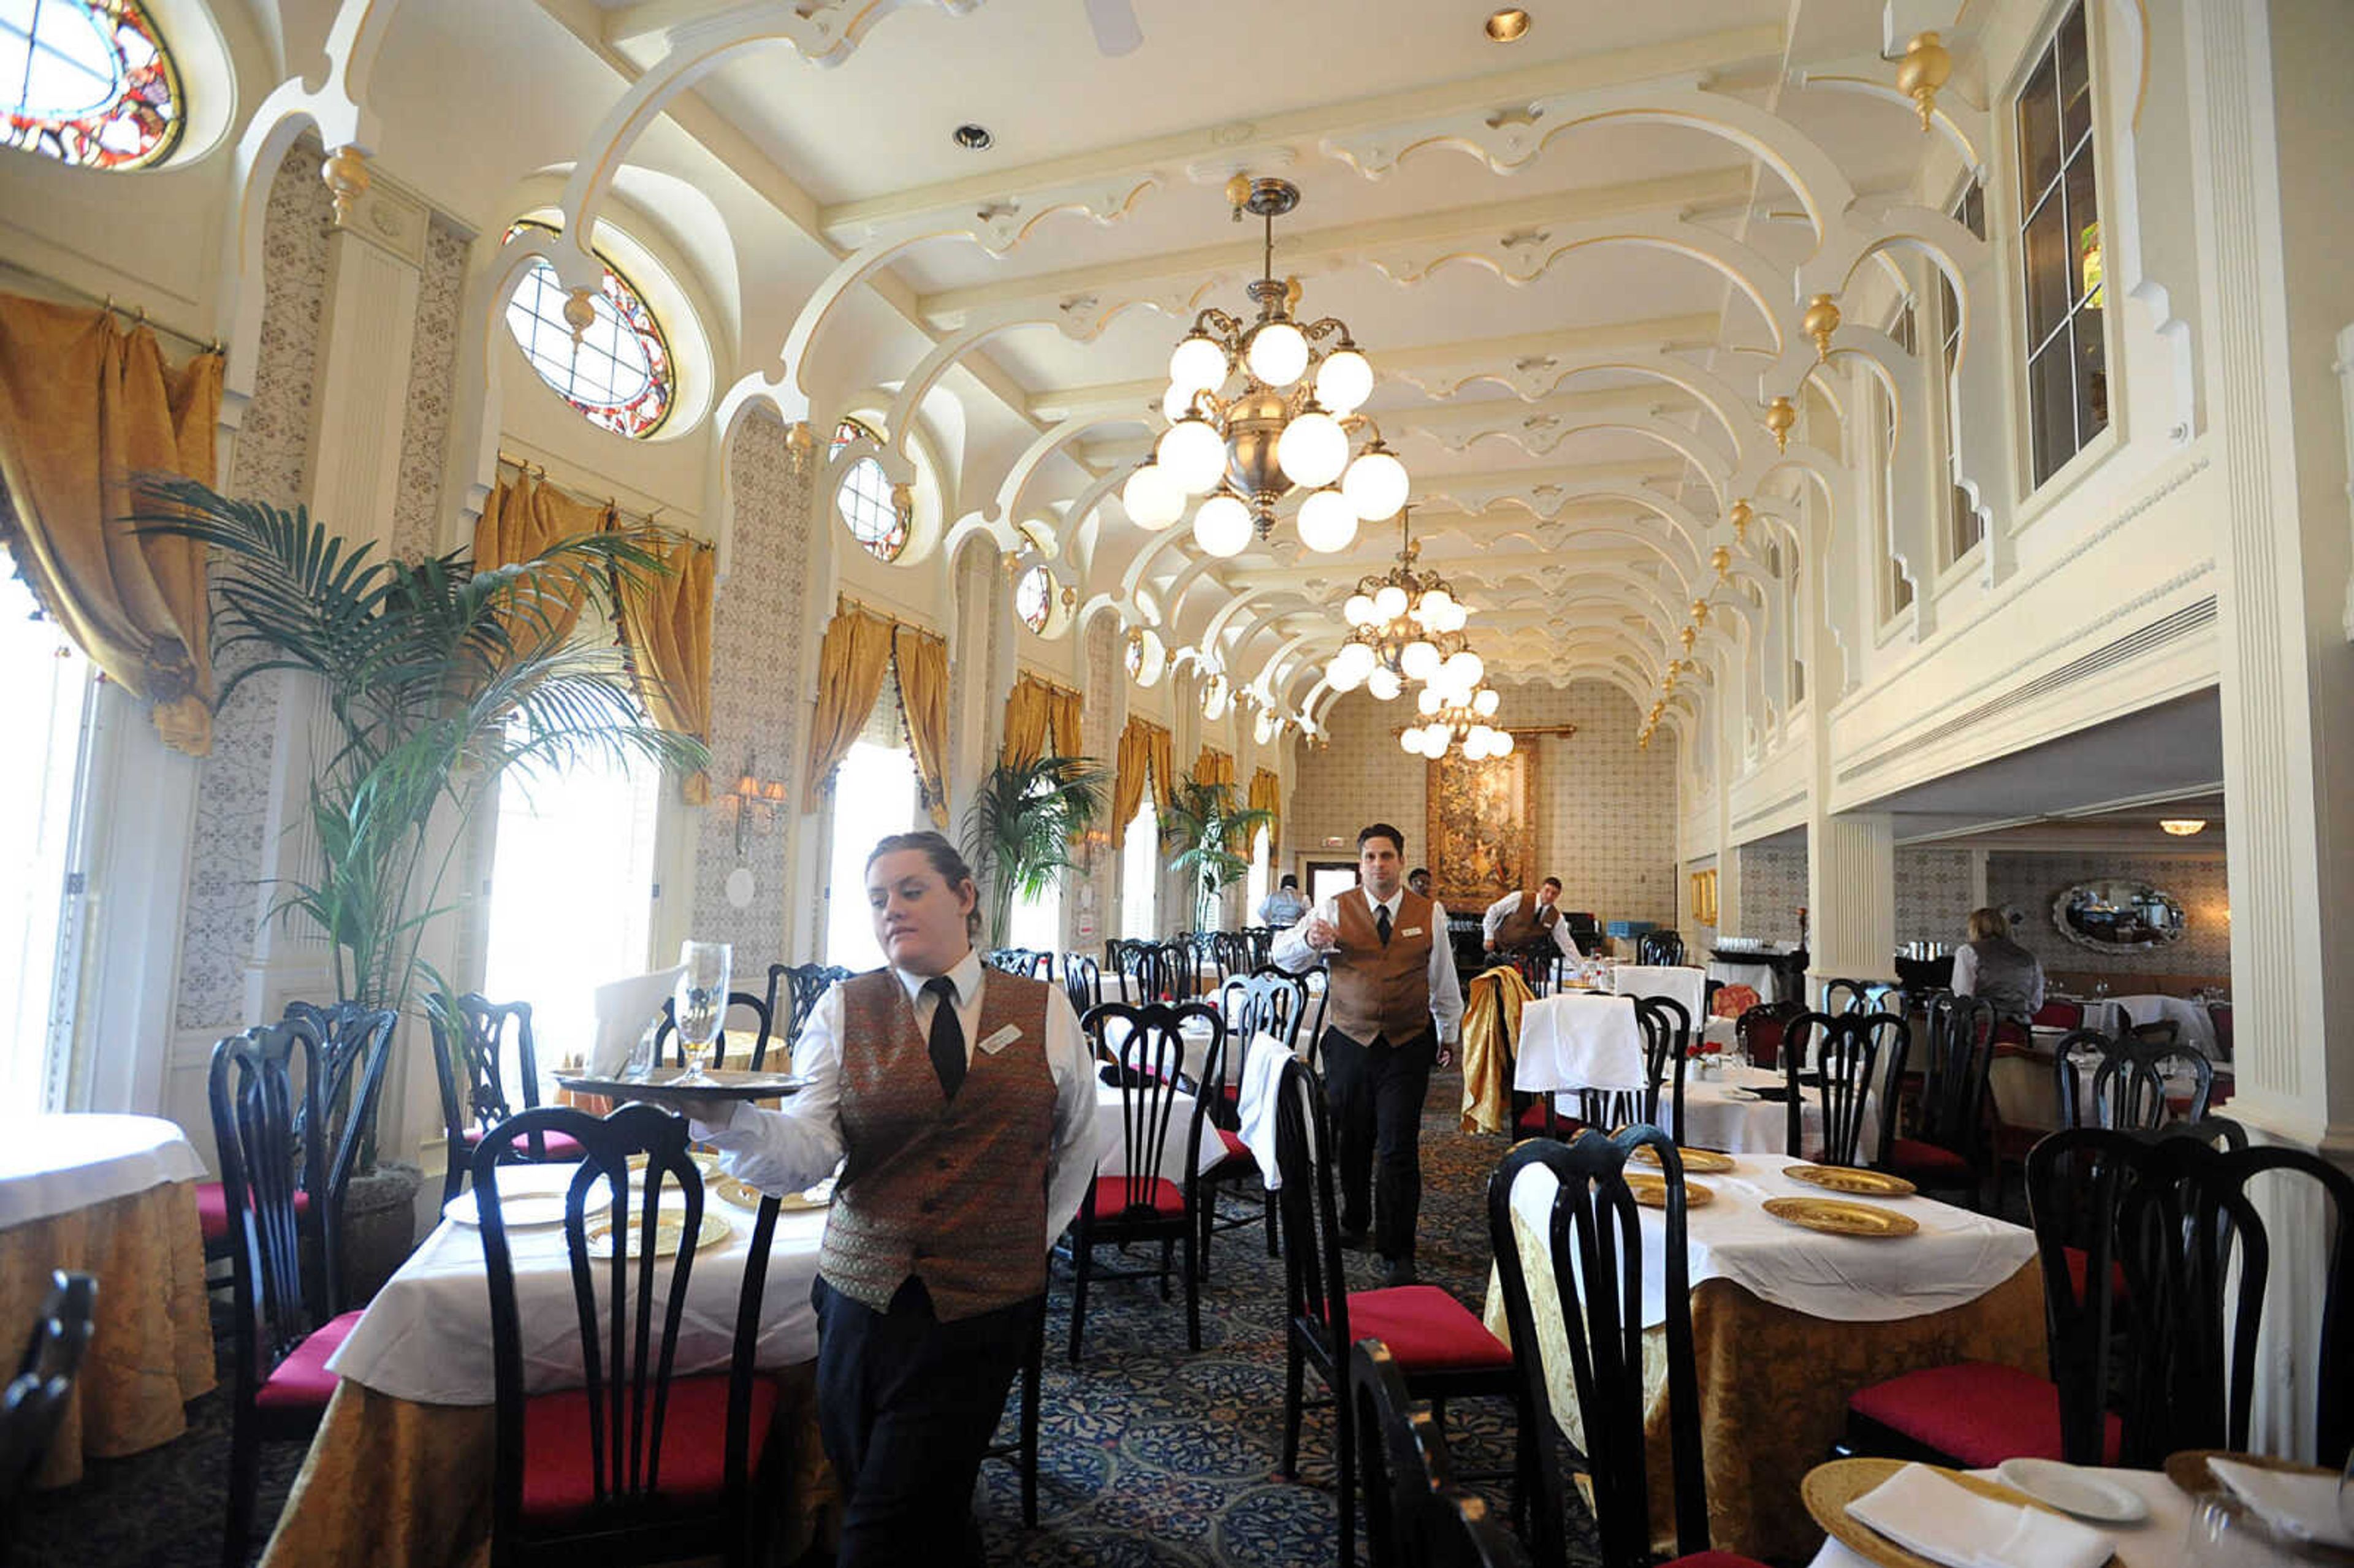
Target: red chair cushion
(212, 1209)
(2060, 1015)
(1110, 1197)
(559, 1483)
(1425, 1329)
(1976, 1412)
(302, 1381)
(1533, 1123)
(1236, 1148)
(561, 1146)
(1911, 1158)
(2079, 1260)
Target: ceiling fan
(1116, 29)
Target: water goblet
(701, 1003)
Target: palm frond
(1021, 824)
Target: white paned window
(1139, 872)
(2060, 250)
(617, 371)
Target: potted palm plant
(1020, 827)
(440, 680)
(1204, 829)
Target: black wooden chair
(1593, 1239)
(1666, 1046)
(1148, 970)
(1415, 1517)
(1843, 996)
(33, 1402)
(1665, 948)
(1952, 1151)
(1267, 1002)
(753, 1055)
(1261, 940)
(1082, 982)
(797, 988)
(1759, 1030)
(1028, 962)
(1441, 1348)
(262, 1085)
(1023, 1450)
(1146, 1054)
(1848, 1051)
(2129, 1087)
(472, 1039)
(640, 1464)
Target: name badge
(1001, 1038)
(1411, 931)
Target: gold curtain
(1040, 717)
(84, 407)
(1492, 1021)
(1214, 766)
(528, 516)
(1143, 753)
(1266, 795)
(850, 666)
(923, 660)
(666, 629)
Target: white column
(1850, 895)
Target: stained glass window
(617, 372)
(93, 84)
(1033, 597)
(864, 499)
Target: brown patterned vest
(1525, 923)
(1378, 992)
(951, 1192)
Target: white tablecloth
(1956, 1257)
(56, 1164)
(1195, 1036)
(1716, 1118)
(2158, 1541)
(2196, 1029)
(1720, 1033)
(1111, 1142)
(1677, 983)
(1578, 1041)
(1762, 979)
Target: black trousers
(1376, 1093)
(905, 1405)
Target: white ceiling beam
(637, 29)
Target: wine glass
(701, 1003)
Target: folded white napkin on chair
(1922, 1510)
(1255, 1106)
(2303, 1505)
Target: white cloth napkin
(1677, 982)
(1255, 1106)
(1578, 1043)
(624, 1008)
(1922, 1511)
(2303, 1505)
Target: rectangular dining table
(1786, 1324)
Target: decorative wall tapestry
(1483, 828)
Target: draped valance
(860, 646)
(1266, 795)
(1041, 717)
(666, 632)
(1214, 766)
(1143, 755)
(922, 658)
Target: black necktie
(1382, 924)
(947, 1035)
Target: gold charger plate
(704, 1160)
(1829, 1487)
(1851, 1178)
(1707, 1161)
(1837, 1217)
(669, 1229)
(1652, 1192)
(744, 1195)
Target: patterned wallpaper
(1606, 821)
(1933, 894)
(755, 652)
(2028, 883)
(1100, 722)
(271, 456)
(1773, 887)
(432, 375)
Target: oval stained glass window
(91, 83)
(1033, 597)
(864, 499)
(618, 371)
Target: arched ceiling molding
(1902, 375)
(1687, 527)
(1544, 491)
(1963, 124)
(1014, 499)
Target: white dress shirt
(799, 1146)
(1493, 921)
(1293, 954)
(1966, 977)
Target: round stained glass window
(93, 84)
(1033, 597)
(864, 499)
(618, 371)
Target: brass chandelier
(1452, 719)
(1406, 624)
(1287, 426)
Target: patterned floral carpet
(1150, 1454)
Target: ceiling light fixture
(1405, 624)
(2183, 827)
(973, 138)
(1288, 427)
(1457, 720)
(1508, 25)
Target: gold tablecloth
(399, 1485)
(153, 1350)
(1774, 1385)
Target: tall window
(1139, 872)
(868, 509)
(1260, 877)
(617, 372)
(43, 701)
(1037, 922)
(1896, 592)
(90, 83)
(2059, 245)
(1963, 527)
(572, 883)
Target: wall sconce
(753, 797)
(2183, 827)
(1092, 844)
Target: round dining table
(114, 1197)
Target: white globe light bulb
(1487, 702)
(1359, 610)
(1153, 499)
(1189, 449)
(1457, 617)
(1389, 601)
(1312, 450)
(1344, 381)
(1350, 667)
(1465, 669)
(1327, 521)
(1384, 682)
(1222, 525)
(1376, 485)
(1428, 702)
(1435, 607)
(1503, 743)
(1475, 748)
(1420, 660)
(1176, 403)
(1196, 363)
(1435, 738)
(1411, 741)
(1278, 353)
(1478, 736)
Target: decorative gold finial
(345, 174)
(1822, 320)
(800, 445)
(1688, 635)
(1238, 191)
(1924, 68)
(1721, 559)
(1781, 414)
(1700, 613)
(580, 311)
(903, 505)
(1741, 516)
